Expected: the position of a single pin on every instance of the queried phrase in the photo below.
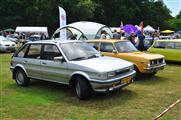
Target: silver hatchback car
(73, 63)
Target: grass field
(142, 100)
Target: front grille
(156, 62)
(6, 45)
(118, 72)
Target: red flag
(141, 27)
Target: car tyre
(21, 78)
(152, 74)
(138, 73)
(82, 88)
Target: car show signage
(62, 18)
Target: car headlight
(131, 68)
(149, 63)
(99, 76)
(111, 74)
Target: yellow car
(145, 63)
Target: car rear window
(34, 51)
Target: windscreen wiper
(79, 58)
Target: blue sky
(174, 6)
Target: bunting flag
(141, 26)
(62, 18)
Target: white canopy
(89, 29)
(32, 29)
(149, 28)
(137, 27)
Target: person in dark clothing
(141, 38)
(141, 43)
(131, 38)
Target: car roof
(107, 40)
(173, 40)
(53, 41)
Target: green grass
(142, 100)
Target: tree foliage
(110, 12)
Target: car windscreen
(125, 46)
(2, 38)
(78, 51)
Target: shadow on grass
(62, 94)
(151, 80)
(174, 63)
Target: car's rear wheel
(21, 78)
(82, 88)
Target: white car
(74, 63)
(12, 37)
(7, 45)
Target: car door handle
(25, 61)
(43, 63)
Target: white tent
(89, 29)
(149, 28)
(137, 27)
(21, 29)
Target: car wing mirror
(114, 51)
(58, 59)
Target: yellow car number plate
(126, 80)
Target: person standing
(103, 34)
(131, 38)
(141, 39)
(116, 34)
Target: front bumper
(155, 68)
(112, 84)
(7, 48)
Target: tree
(179, 15)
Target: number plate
(126, 80)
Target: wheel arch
(18, 67)
(79, 74)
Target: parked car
(6, 45)
(171, 49)
(32, 38)
(73, 63)
(13, 38)
(144, 63)
(165, 37)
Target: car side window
(170, 45)
(34, 51)
(50, 51)
(94, 45)
(22, 52)
(106, 47)
(159, 45)
(177, 45)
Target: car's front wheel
(21, 78)
(152, 74)
(82, 88)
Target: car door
(107, 49)
(53, 70)
(32, 61)
(177, 51)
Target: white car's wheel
(21, 78)
(82, 89)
